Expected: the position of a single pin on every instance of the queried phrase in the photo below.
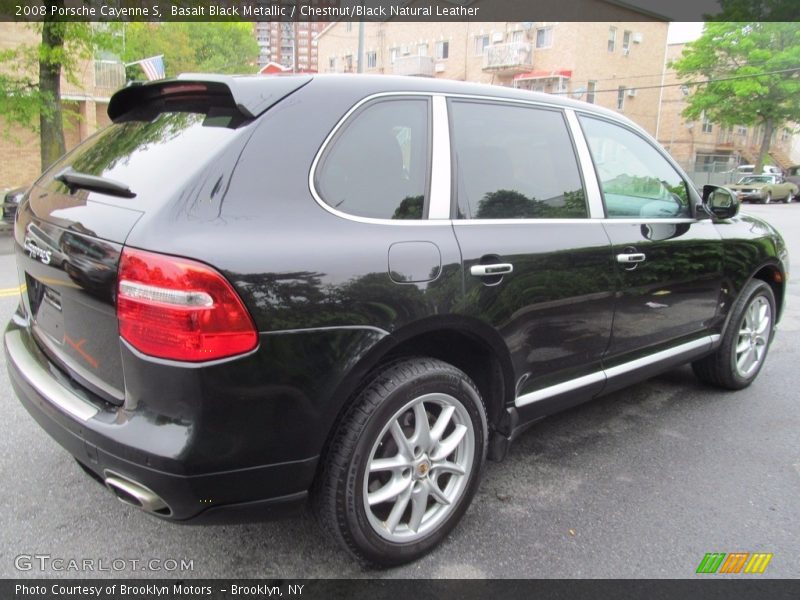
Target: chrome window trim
(434, 175)
(42, 381)
(605, 374)
(441, 177)
(628, 221)
(594, 199)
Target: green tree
(30, 79)
(192, 47)
(732, 57)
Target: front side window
(377, 166)
(514, 162)
(636, 180)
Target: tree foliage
(733, 57)
(192, 47)
(30, 77)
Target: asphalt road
(641, 483)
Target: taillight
(180, 309)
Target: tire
(748, 334)
(385, 507)
(768, 198)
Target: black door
(536, 267)
(669, 264)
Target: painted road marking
(12, 291)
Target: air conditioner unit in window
(439, 67)
(636, 38)
(405, 51)
(497, 37)
(632, 92)
(626, 51)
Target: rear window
(153, 152)
(377, 166)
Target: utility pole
(361, 45)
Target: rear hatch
(172, 147)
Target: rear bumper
(96, 436)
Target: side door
(668, 262)
(537, 268)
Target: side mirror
(720, 202)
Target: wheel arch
(466, 343)
(771, 273)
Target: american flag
(153, 67)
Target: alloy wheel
(754, 332)
(419, 467)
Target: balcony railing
(513, 57)
(421, 66)
(109, 75)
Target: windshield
(756, 179)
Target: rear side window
(378, 164)
(637, 181)
(514, 162)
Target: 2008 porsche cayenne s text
(251, 293)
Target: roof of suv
(254, 94)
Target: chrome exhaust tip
(136, 494)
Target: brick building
(292, 45)
(602, 62)
(84, 106)
(704, 146)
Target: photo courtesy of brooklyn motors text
(370, 299)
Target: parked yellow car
(764, 189)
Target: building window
(785, 135)
(621, 97)
(708, 127)
(517, 37)
(481, 43)
(626, 43)
(544, 37)
(348, 63)
(372, 59)
(442, 50)
(612, 39)
(393, 54)
(590, 89)
(741, 130)
(422, 50)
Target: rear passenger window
(377, 166)
(637, 181)
(514, 162)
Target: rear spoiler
(251, 95)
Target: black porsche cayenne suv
(249, 292)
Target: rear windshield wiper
(75, 181)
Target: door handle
(491, 270)
(635, 257)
